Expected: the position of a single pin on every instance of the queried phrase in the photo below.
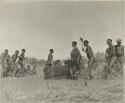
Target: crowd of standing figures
(14, 65)
(114, 57)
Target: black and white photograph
(62, 51)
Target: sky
(39, 26)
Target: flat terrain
(34, 89)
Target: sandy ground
(34, 89)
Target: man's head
(17, 52)
(86, 42)
(23, 50)
(6, 51)
(119, 41)
(74, 44)
(51, 51)
(109, 41)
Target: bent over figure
(5, 62)
(14, 58)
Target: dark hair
(23, 49)
(16, 51)
(109, 40)
(74, 43)
(6, 50)
(51, 50)
(86, 41)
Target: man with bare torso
(119, 53)
(110, 59)
(90, 57)
(14, 58)
(5, 62)
(47, 69)
(21, 61)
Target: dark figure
(14, 60)
(57, 69)
(75, 57)
(5, 62)
(48, 67)
(119, 53)
(68, 67)
(21, 62)
(50, 57)
(110, 59)
(90, 56)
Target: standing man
(5, 62)
(50, 57)
(90, 56)
(75, 57)
(21, 61)
(110, 58)
(119, 53)
(48, 70)
(14, 59)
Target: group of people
(114, 57)
(12, 65)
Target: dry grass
(34, 89)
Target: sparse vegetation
(34, 89)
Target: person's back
(75, 58)
(75, 54)
(119, 53)
(119, 50)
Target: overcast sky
(39, 26)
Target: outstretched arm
(82, 40)
(83, 49)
